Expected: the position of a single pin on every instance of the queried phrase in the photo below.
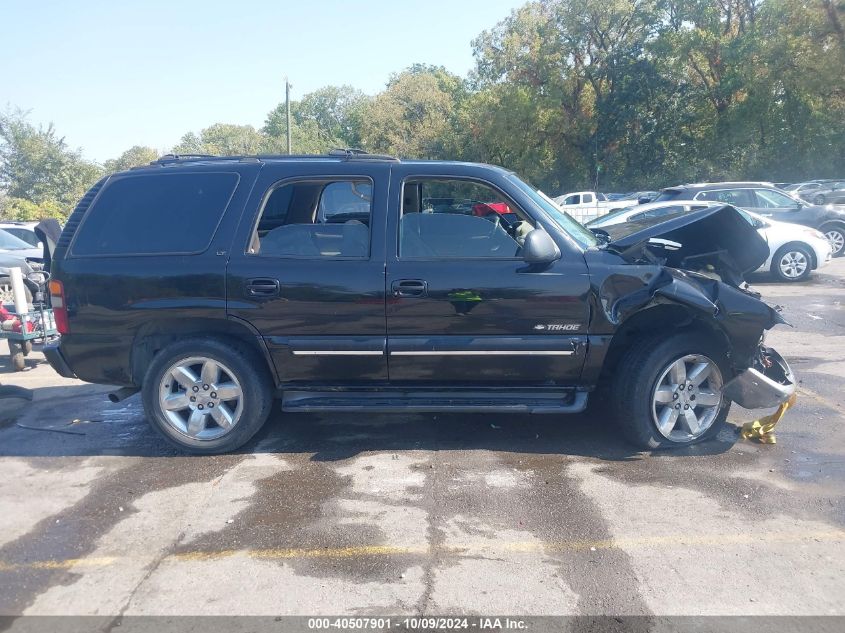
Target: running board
(428, 402)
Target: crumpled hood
(716, 238)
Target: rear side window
(156, 214)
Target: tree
(324, 119)
(37, 165)
(133, 157)
(414, 116)
(224, 139)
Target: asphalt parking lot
(431, 514)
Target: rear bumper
(53, 354)
(769, 384)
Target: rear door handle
(409, 288)
(262, 287)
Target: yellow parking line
(512, 547)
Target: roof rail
(169, 158)
(348, 154)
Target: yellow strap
(763, 430)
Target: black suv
(767, 200)
(355, 282)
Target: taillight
(57, 301)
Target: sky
(112, 74)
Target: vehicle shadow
(78, 420)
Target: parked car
(645, 212)
(768, 201)
(642, 197)
(805, 190)
(586, 205)
(15, 253)
(795, 251)
(24, 231)
(331, 281)
(832, 192)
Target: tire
(792, 262)
(819, 199)
(646, 366)
(835, 234)
(6, 296)
(198, 427)
(16, 354)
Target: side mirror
(539, 248)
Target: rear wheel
(792, 262)
(836, 236)
(667, 392)
(207, 397)
(16, 355)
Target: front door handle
(262, 287)
(409, 288)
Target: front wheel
(792, 263)
(819, 199)
(207, 397)
(668, 391)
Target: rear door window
(156, 214)
(315, 219)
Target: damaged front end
(697, 260)
(769, 382)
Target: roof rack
(346, 153)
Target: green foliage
(224, 139)
(36, 166)
(414, 117)
(28, 211)
(133, 157)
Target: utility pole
(287, 107)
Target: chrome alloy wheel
(837, 240)
(201, 398)
(687, 398)
(793, 264)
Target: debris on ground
(763, 430)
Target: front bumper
(769, 383)
(53, 354)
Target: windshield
(610, 216)
(9, 242)
(570, 225)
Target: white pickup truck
(588, 205)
